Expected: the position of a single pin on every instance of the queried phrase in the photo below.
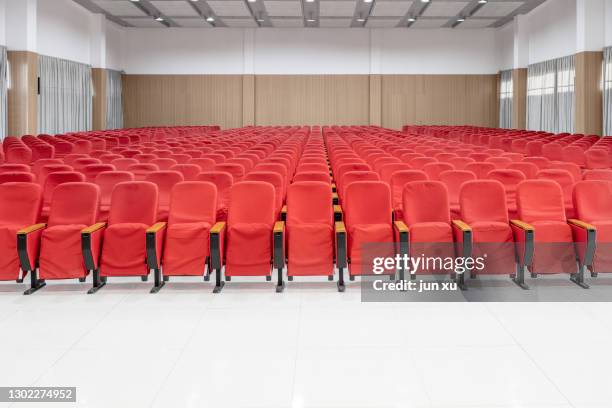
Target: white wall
(63, 30)
(552, 30)
(2, 22)
(308, 51)
(608, 23)
(505, 47)
(114, 39)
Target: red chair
(119, 247)
(189, 171)
(186, 247)
(355, 176)
(107, 181)
(164, 163)
(601, 174)
(142, 170)
(530, 170)
(252, 234)
(433, 170)
(165, 181)
(276, 181)
(52, 181)
(481, 169)
(74, 206)
(398, 181)
(313, 176)
(92, 171)
(123, 164)
(236, 170)
(510, 179)
(566, 181)
(454, 180)
(19, 210)
(310, 230)
(203, 163)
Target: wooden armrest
(217, 228)
(156, 227)
(337, 208)
(284, 209)
(522, 225)
(462, 225)
(31, 228)
(340, 227)
(581, 224)
(400, 226)
(279, 226)
(94, 228)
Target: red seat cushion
(249, 249)
(60, 253)
(311, 249)
(431, 232)
(124, 250)
(186, 249)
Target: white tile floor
(308, 347)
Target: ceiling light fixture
(424, 1)
(210, 19)
(252, 1)
(483, 1)
(361, 19)
(310, 1)
(367, 1)
(159, 19)
(411, 19)
(461, 19)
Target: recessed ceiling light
(260, 20)
(412, 19)
(252, 1)
(311, 20)
(210, 19)
(461, 19)
(159, 19)
(483, 1)
(134, 1)
(424, 1)
(361, 20)
(367, 1)
(310, 1)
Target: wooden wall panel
(589, 98)
(23, 94)
(99, 78)
(312, 99)
(248, 100)
(375, 100)
(167, 100)
(439, 100)
(519, 98)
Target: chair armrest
(585, 238)
(401, 234)
(335, 199)
(217, 242)
(462, 234)
(524, 235)
(28, 246)
(284, 213)
(338, 214)
(155, 241)
(334, 188)
(279, 244)
(341, 240)
(91, 243)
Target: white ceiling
(323, 13)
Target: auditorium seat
(386, 171)
(597, 159)
(19, 210)
(74, 206)
(310, 230)
(510, 179)
(313, 176)
(481, 169)
(354, 176)
(91, 171)
(203, 163)
(165, 181)
(566, 182)
(453, 180)
(123, 164)
(186, 246)
(121, 243)
(224, 182)
(189, 171)
(17, 176)
(398, 180)
(51, 182)
(600, 174)
(433, 170)
(107, 181)
(276, 181)
(141, 170)
(236, 170)
(530, 170)
(13, 167)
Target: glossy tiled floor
(307, 347)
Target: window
(607, 92)
(505, 100)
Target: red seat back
(483, 200)
(193, 201)
(134, 202)
(425, 201)
(74, 204)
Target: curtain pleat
(65, 100)
(114, 101)
(607, 91)
(3, 92)
(551, 95)
(505, 100)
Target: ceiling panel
(498, 9)
(230, 8)
(335, 22)
(284, 8)
(175, 8)
(339, 8)
(144, 22)
(382, 22)
(445, 8)
(119, 8)
(477, 23)
(287, 22)
(391, 8)
(429, 23)
(191, 22)
(240, 22)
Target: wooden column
(23, 93)
(589, 116)
(519, 98)
(99, 78)
(376, 100)
(248, 100)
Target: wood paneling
(439, 100)
(167, 100)
(248, 100)
(588, 93)
(519, 98)
(312, 99)
(375, 100)
(23, 93)
(99, 78)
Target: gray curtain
(114, 101)
(505, 100)
(65, 100)
(3, 92)
(607, 92)
(551, 95)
